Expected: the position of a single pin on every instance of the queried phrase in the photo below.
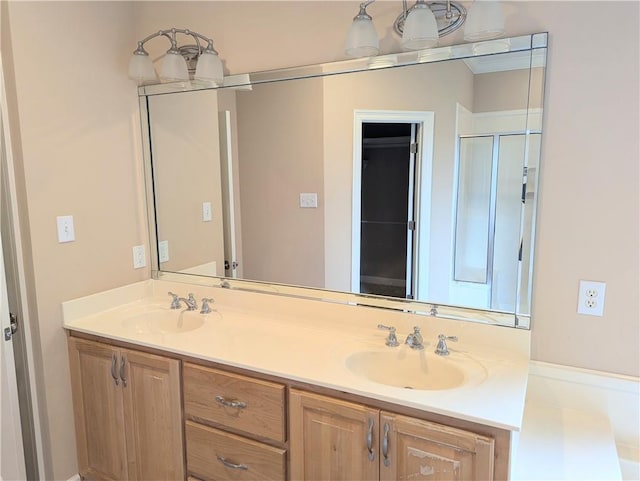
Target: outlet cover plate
(139, 257)
(591, 298)
(163, 251)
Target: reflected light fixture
(421, 25)
(485, 21)
(179, 62)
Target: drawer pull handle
(370, 439)
(114, 368)
(244, 467)
(122, 363)
(231, 404)
(385, 445)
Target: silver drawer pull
(385, 445)
(370, 439)
(231, 404)
(244, 467)
(114, 368)
(122, 363)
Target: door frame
(424, 168)
(29, 439)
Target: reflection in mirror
(415, 182)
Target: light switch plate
(66, 232)
(308, 200)
(207, 215)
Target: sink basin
(408, 369)
(163, 321)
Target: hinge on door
(13, 327)
(411, 225)
(414, 148)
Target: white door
(232, 264)
(12, 466)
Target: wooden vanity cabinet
(416, 449)
(335, 440)
(234, 427)
(128, 415)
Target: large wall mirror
(406, 181)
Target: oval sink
(409, 369)
(164, 321)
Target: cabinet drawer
(217, 455)
(249, 405)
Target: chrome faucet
(414, 340)
(206, 308)
(441, 348)
(175, 301)
(190, 302)
(391, 340)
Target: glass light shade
(209, 67)
(420, 29)
(362, 38)
(141, 68)
(174, 67)
(485, 20)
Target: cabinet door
(332, 440)
(153, 416)
(412, 449)
(99, 416)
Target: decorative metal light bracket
(449, 15)
(190, 52)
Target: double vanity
(268, 387)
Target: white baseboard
(615, 396)
(75, 477)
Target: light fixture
(180, 61)
(362, 38)
(485, 21)
(421, 25)
(420, 29)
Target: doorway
(391, 206)
(387, 209)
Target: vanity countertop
(313, 347)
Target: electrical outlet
(591, 298)
(139, 257)
(163, 251)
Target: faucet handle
(206, 308)
(175, 301)
(391, 340)
(441, 348)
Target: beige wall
(278, 123)
(76, 112)
(186, 166)
(430, 89)
(77, 119)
